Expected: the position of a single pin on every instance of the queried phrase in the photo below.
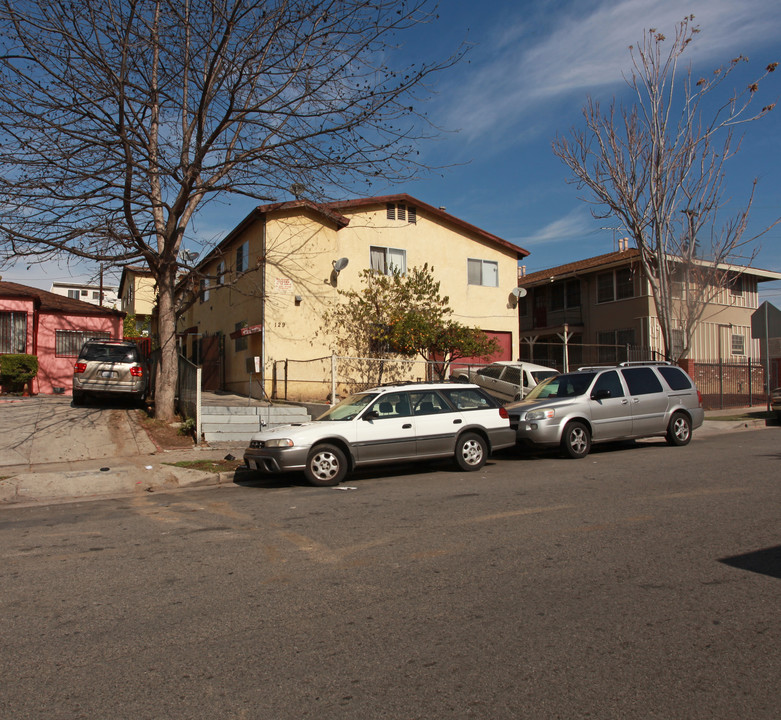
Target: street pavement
(51, 451)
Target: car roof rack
(632, 363)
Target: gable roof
(136, 270)
(618, 259)
(332, 212)
(51, 302)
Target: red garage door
(505, 352)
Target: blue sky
(529, 71)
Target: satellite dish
(340, 264)
(519, 292)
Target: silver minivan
(601, 404)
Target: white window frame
(389, 258)
(242, 257)
(485, 277)
(738, 344)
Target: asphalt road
(641, 582)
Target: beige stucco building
(606, 301)
(138, 296)
(266, 286)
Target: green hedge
(17, 370)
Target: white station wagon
(399, 423)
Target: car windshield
(348, 408)
(562, 386)
(539, 375)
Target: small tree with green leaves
(396, 317)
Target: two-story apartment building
(138, 296)
(606, 301)
(267, 284)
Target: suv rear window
(675, 378)
(109, 353)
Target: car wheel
(325, 466)
(576, 441)
(471, 452)
(679, 431)
(78, 397)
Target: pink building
(53, 327)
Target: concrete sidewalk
(52, 452)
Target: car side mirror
(371, 415)
(600, 394)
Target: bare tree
(659, 167)
(120, 118)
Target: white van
(502, 379)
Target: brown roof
(331, 211)
(51, 302)
(581, 266)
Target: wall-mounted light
(515, 293)
(338, 266)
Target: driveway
(48, 429)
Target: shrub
(17, 370)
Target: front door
(436, 424)
(611, 417)
(386, 430)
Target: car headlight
(540, 414)
(279, 442)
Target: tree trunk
(168, 370)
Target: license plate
(252, 465)
(106, 374)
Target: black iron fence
(730, 384)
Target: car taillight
(137, 371)
(699, 397)
(79, 368)
(503, 413)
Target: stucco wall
(58, 371)
(300, 250)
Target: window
(401, 212)
(67, 343)
(428, 403)
(677, 341)
(393, 405)
(736, 287)
(240, 343)
(73, 294)
(84, 293)
(468, 399)
(609, 381)
(605, 287)
(204, 289)
(387, 260)
(95, 295)
(738, 345)
(491, 371)
(675, 378)
(615, 285)
(221, 273)
(13, 332)
(482, 272)
(612, 345)
(641, 381)
(242, 257)
(565, 294)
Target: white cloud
(578, 53)
(576, 224)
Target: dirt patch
(210, 465)
(163, 435)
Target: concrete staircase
(232, 424)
